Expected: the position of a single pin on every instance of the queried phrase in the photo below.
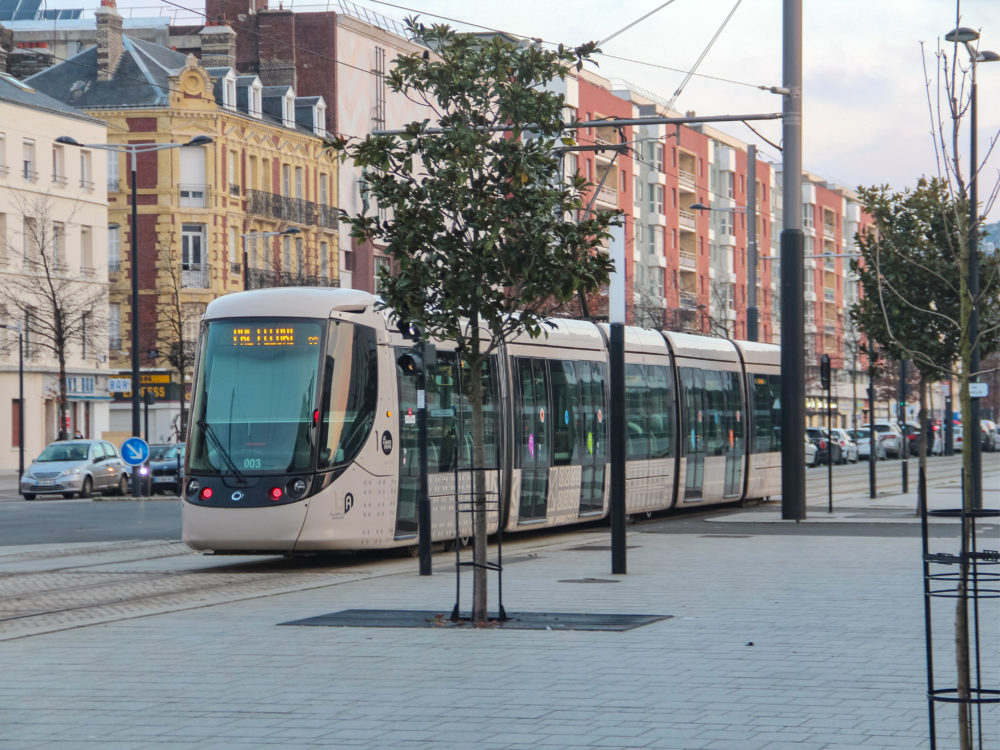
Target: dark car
(166, 465)
(818, 437)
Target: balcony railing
(86, 184)
(689, 299)
(684, 177)
(687, 219)
(193, 196)
(329, 217)
(263, 278)
(195, 276)
(4, 170)
(59, 179)
(114, 266)
(688, 260)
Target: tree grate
(403, 618)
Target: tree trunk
(963, 670)
(63, 401)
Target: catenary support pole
(423, 496)
(616, 355)
(753, 316)
(972, 431)
(904, 449)
(793, 477)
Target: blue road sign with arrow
(135, 451)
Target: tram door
(735, 435)
(533, 445)
(693, 384)
(592, 436)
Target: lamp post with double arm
(966, 36)
(132, 149)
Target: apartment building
(254, 208)
(53, 273)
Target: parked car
(935, 443)
(889, 436)
(991, 438)
(818, 437)
(863, 440)
(810, 452)
(80, 467)
(844, 442)
(166, 466)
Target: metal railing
(195, 276)
(193, 196)
(264, 278)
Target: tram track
(101, 583)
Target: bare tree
(57, 309)
(718, 315)
(177, 323)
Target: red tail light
(822, 444)
(206, 493)
(274, 493)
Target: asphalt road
(80, 521)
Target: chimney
(218, 47)
(109, 40)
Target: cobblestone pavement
(812, 641)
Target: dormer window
(256, 103)
(288, 109)
(229, 91)
(319, 119)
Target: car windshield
(859, 434)
(162, 452)
(65, 452)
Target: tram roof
(306, 302)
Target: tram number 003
(251, 463)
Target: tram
(303, 431)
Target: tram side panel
(762, 365)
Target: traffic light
(410, 363)
(824, 371)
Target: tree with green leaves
(483, 231)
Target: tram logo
(236, 496)
(348, 502)
(387, 442)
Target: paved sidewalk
(804, 641)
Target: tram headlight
(193, 486)
(297, 487)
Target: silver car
(848, 447)
(69, 467)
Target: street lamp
(255, 235)
(20, 399)
(132, 149)
(966, 36)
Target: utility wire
(629, 26)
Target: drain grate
(588, 580)
(401, 618)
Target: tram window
(565, 404)
(715, 414)
(766, 390)
(637, 416)
(350, 392)
(661, 411)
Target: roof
(24, 95)
(141, 79)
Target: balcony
(86, 184)
(262, 278)
(829, 295)
(686, 178)
(829, 231)
(688, 220)
(329, 216)
(193, 196)
(284, 208)
(608, 195)
(59, 179)
(195, 276)
(688, 259)
(689, 299)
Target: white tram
(303, 433)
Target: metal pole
(134, 244)
(972, 430)
(423, 497)
(904, 450)
(752, 313)
(948, 422)
(616, 355)
(20, 406)
(829, 463)
(872, 447)
(246, 276)
(793, 477)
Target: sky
(867, 119)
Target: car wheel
(123, 485)
(88, 485)
(28, 495)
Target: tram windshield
(278, 395)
